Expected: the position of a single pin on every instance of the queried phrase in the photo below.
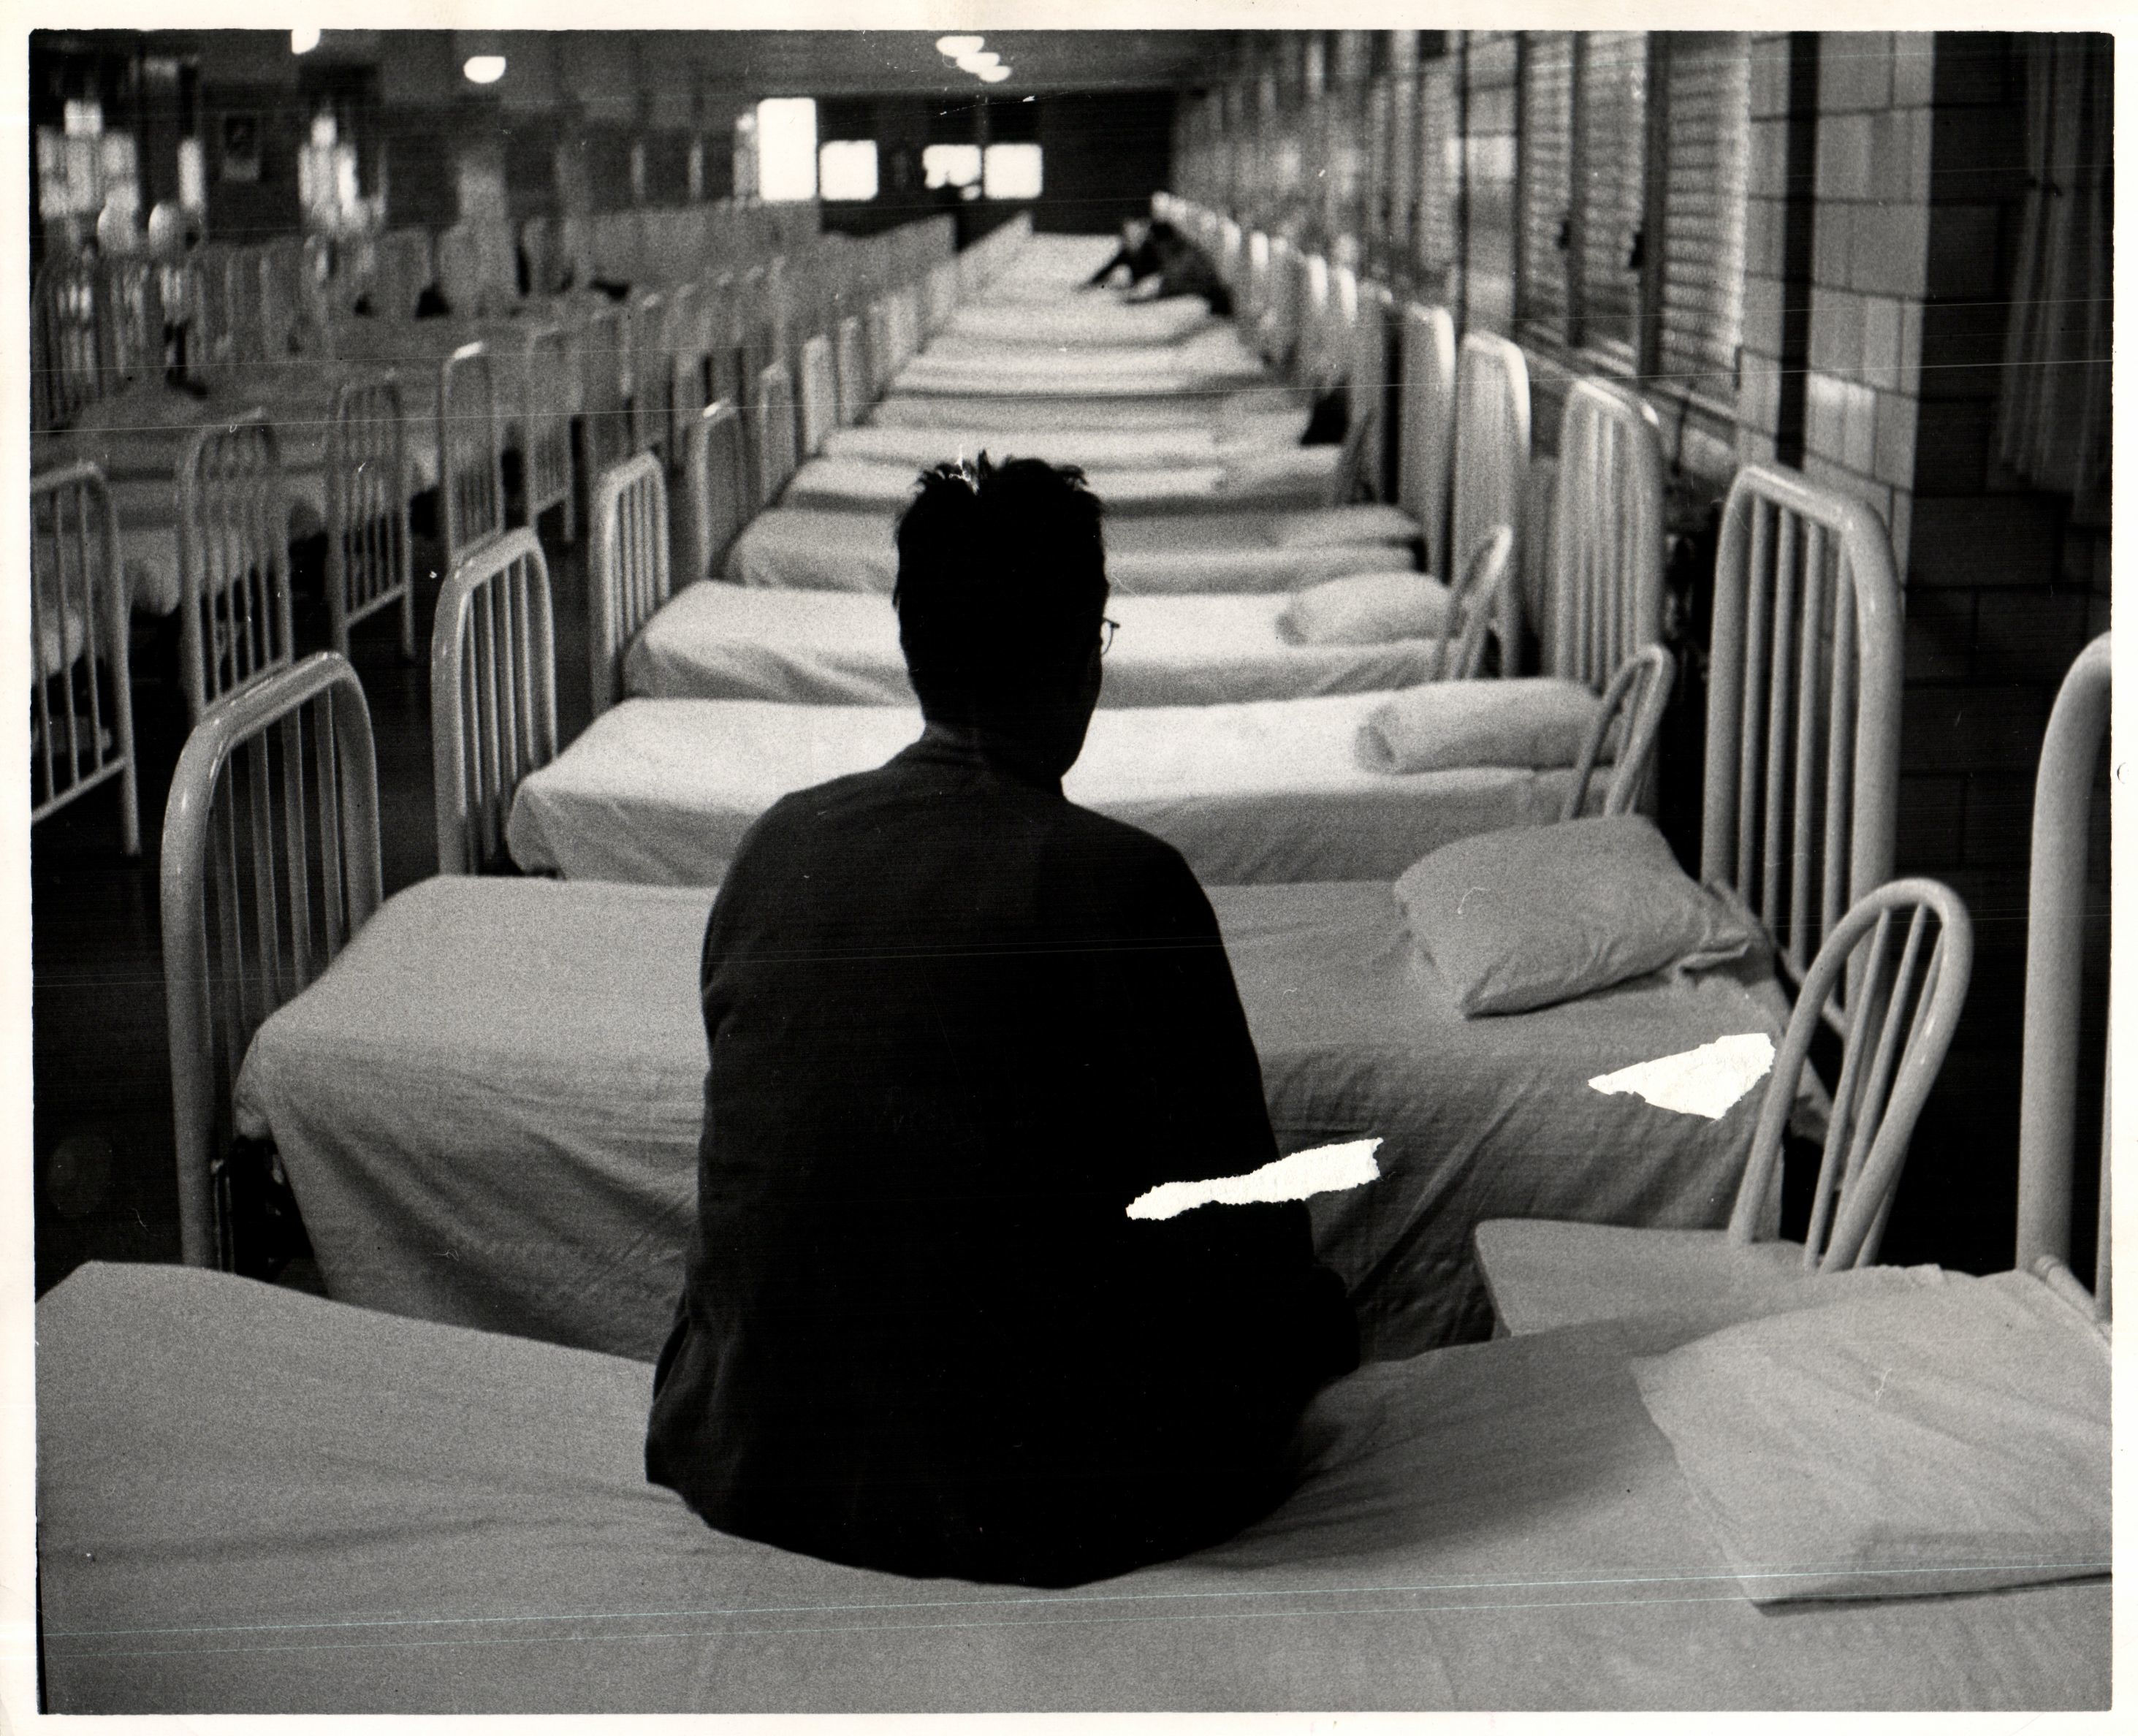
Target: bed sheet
(1483, 1118)
(1060, 378)
(1215, 348)
(1220, 408)
(660, 792)
(716, 641)
(1274, 480)
(1096, 319)
(916, 444)
(252, 1500)
(490, 1106)
(804, 549)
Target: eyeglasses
(1107, 629)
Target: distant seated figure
(1184, 269)
(957, 1025)
(1133, 260)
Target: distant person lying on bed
(956, 1026)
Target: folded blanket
(1369, 609)
(1538, 721)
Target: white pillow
(1534, 721)
(1534, 915)
(1335, 525)
(1946, 1439)
(1368, 608)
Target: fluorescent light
(484, 69)
(304, 41)
(978, 62)
(993, 75)
(955, 45)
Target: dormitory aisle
(1616, 631)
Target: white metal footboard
(2056, 932)
(1491, 460)
(1605, 564)
(493, 694)
(628, 579)
(269, 863)
(1804, 708)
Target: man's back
(957, 1025)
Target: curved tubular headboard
(650, 379)
(81, 688)
(545, 423)
(851, 356)
(234, 626)
(820, 394)
(1804, 708)
(1427, 448)
(1491, 462)
(1366, 364)
(273, 816)
(1605, 590)
(1639, 692)
(493, 694)
(628, 579)
(604, 358)
(715, 488)
(370, 563)
(775, 432)
(471, 451)
(2056, 934)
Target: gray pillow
(1539, 914)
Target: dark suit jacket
(957, 1024)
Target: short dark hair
(1002, 583)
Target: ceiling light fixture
(993, 75)
(955, 45)
(304, 41)
(978, 62)
(484, 69)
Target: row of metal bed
(487, 1105)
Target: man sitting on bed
(957, 1025)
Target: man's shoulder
(1130, 860)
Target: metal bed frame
(775, 432)
(715, 487)
(1491, 460)
(1604, 563)
(628, 578)
(1426, 450)
(819, 395)
(369, 555)
(270, 863)
(2056, 935)
(493, 694)
(81, 696)
(234, 619)
(470, 452)
(1803, 710)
